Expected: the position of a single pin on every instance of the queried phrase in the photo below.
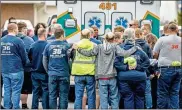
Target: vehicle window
(121, 19)
(97, 19)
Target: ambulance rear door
(94, 15)
(121, 13)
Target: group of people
(126, 69)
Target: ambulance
(76, 15)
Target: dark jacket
(99, 38)
(139, 73)
(94, 40)
(35, 56)
(28, 42)
(4, 33)
(35, 38)
(146, 48)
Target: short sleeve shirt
(169, 49)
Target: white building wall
(44, 12)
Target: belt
(170, 67)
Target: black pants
(154, 92)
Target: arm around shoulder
(121, 52)
(89, 53)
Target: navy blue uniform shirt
(139, 73)
(28, 41)
(58, 64)
(35, 55)
(13, 54)
(35, 38)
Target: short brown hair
(138, 33)
(12, 27)
(41, 31)
(151, 39)
(117, 35)
(58, 33)
(21, 26)
(119, 29)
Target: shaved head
(12, 27)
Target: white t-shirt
(169, 49)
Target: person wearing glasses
(96, 34)
(27, 84)
(134, 24)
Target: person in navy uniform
(53, 28)
(168, 52)
(11, 20)
(39, 25)
(26, 89)
(132, 79)
(13, 60)
(56, 64)
(39, 75)
(96, 34)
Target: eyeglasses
(95, 30)
(133, 24)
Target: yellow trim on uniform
(78, 28)
(152, 14)
(62, 14)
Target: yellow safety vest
(83, 65)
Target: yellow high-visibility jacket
(83, 65)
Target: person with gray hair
(131, 73)
(129, 34)
(53, 27)
(106, 75)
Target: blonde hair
(109, 37)
(119, 29)
(91, 30)
(148, 27)
(117, 35)
(85, 34)
(138, 33)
